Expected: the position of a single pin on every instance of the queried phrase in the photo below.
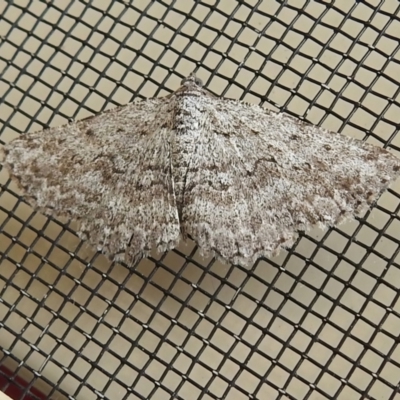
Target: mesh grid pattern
(321, 321)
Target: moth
(238, 179)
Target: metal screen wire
(320, 321)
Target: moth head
(192, 78)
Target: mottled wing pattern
(238, 179)
(110, 172)
(257, 177)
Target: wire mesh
(321, 321)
